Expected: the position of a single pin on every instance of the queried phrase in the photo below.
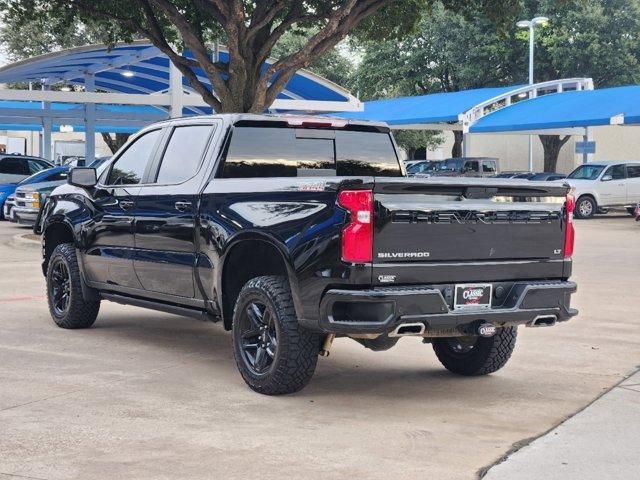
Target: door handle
(125, 204)
(182, 206)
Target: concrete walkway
(600, 442)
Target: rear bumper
(382, 310)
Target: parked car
(292, 231)
(546, 177)
(99, 161)
(32, 194)
(602, 185)
(9, 203)
(423, 167)
(468, 167)
(14, 169)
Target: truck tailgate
(493, 227)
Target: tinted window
(472, 166)
(633, 171)
(451, 164)
(586, 172)
(183, 154)
(129, 168)
(35, 166)
(278, 152)
(14, 166)
(616, 172)
(366, 153)
(488, 166)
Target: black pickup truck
(294, 230)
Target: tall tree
(451, 52)
(250, 29)
(585, 38)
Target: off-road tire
(585, 212)
(79, 313)
(297, 349)
(488, 355)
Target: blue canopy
(424, 109)
(140, 67)
(585, 108)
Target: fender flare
(255, 235)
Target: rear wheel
(476, 355)
(585, 207)
(274, 354)
(67, 306)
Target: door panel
(108, 258)
(633, 184)
(164, 237)
(614, 192)
(165, 225)
(109, 254)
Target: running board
(160, 306)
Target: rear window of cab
(256, 152)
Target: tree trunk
(456, 150)
(552, 144)
(114, 143)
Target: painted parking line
(22, 299)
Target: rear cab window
(257, 151)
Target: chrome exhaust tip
(543, 321)
(408, 330)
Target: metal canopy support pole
(175, 91)
(466, 145)
(90, 121)
(46, 129)
(587, 137)
(531, 46)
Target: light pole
(531, 25)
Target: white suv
(600, 185)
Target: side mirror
(607, 178)
(83, 177)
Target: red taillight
(570, 233)
(357, 236)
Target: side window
(14, 166)
(489, 166)
(36, 166)
(366, 153)
(633, 171)
(129, 168)
(183, 154)
(616, 171)
(472, 166)
(277, 152)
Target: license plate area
(472, 296)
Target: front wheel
(274, 354)
(585, 207)
(68, 307)
(476, 355)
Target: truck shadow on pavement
(350, 369)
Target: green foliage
(411, 140)
(333, 65)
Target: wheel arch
(57, 230)
(248, 255)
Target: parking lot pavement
(601, 441)
(150, 395)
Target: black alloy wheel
(259, 337)
(60, 288)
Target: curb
(21, 241)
